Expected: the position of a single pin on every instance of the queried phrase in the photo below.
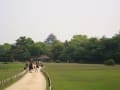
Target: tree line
(79, 49)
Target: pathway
(31, 81)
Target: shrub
(5, 62)
(57, 61)
(109, 62)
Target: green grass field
(10, 69)
(84, 76)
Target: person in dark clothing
(30, 66)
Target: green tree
(116, 47)
(5, 50)
(56, 49)
(20, 50)
(38, 49)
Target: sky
(64, 18)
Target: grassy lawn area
(84, 76)
(10, 69)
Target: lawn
(9, 69)
(83, 76)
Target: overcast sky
(64, 18)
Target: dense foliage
(80, 49)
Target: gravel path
(31, 81)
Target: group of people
(34, 66)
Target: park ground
(72, 76)
(83, 76)
(8, 69)
(31, 81)
(34, 80)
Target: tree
(23, 41)
(20, 53)
(116, 47)
(78, 43)
(38, 49)
(5, 54)
(20, 50)
(92, 51)
(56, 49)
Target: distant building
(43, 58)
(51, 38)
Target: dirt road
(31, 81)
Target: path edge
(48, 80)
(9, 81)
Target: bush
(57, 61)
(5, 62)
(109, 62)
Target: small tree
(109, 62)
